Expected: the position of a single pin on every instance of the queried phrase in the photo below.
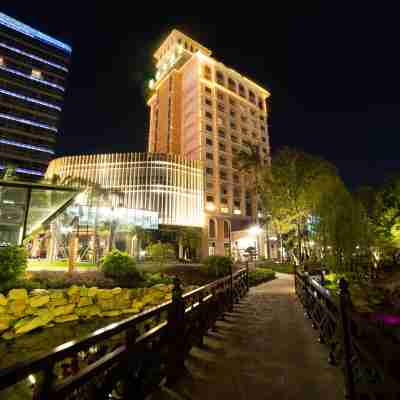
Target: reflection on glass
(43, 204)
(12, 211)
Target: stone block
(5, 321)
(84, 291)
(18, 294)
(66, 318)
(92, 291)
(104, 294)
(28, 324)
(114, 313)
(85, 301)
(38, 301)
(63, 310)
(3, 300)
(106, 304)
(9, 335)
(88, 312)
(116, 290)
(17, 307)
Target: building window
(1, 61)
(252, 97)
(207, 72)
(233, 125)
(220, 95)
(264, 139)
(221, 107)
(220, 78)
(209, 171)
(208, 115)
(36, 74)
(227, 230)
(232, 101)
(260, 104)
(208, 101)
(245, 131)
(210, 199)
(221, 120)
(223, 176)
(208, 128)
(221, 134)
(233, 114)
(212, 229)
(209, 142)
(242, 91)
(208, 90)
(211, 249)
(209, 156)
(222, 147)
(210, 186)
(234, 139)
(224, 200)
(231, 84)
(235, 178)
(222, 161)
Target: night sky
(333, 71)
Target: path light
(32, 379)
(255, 230)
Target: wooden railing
(366, 353)
(130, 358)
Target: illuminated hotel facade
(33, 73)
(202, 110)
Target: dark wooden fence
(146, 349)
(368, 355)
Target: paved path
(264, 350)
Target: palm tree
(251, 161)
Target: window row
(234, 86)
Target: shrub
(157, 278)
(260, 275)
(160, 251)
(120, 266)
(218, 266)
(13, 262)
(61, 279)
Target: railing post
(232, 293)
(176, 334)
(345, 303)
(130, 386)
(247, 275)
(44, 390)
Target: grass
(46, 264)
(283, 268)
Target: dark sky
(333, 71)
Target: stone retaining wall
(21, 312)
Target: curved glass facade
(165, 183)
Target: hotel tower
(202, 110)
(33, 73)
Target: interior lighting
(255, 230)
(33, 57)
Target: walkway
(264, 350)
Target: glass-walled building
(27, 207)
(33, 76)
(166, 184)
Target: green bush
(120, 266)
(160, 252)
(157, 278)
(218, 266)
(13, 263)
(260, 275)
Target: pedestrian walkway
(265, 349)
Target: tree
(290, 191)
(251, 161)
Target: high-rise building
(33, 74)
(204, 110)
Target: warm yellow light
(210, 206)
(255, 230)
(151, 84)
(237, 212)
